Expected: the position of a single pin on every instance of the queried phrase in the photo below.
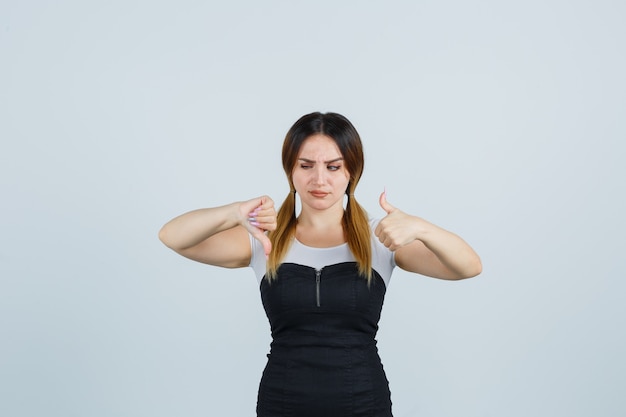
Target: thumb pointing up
(384, 204)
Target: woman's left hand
(422, 247)
(396, 229)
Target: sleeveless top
(324, 318)
(383, 260)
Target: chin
(321, 204)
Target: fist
(257, 216)
(397, 228)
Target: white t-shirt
(383, 260)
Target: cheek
(347, 177)
(342, 182)
(298, 179)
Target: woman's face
(320, 176)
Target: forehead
(319, 147)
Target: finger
(266, 203)
(262, 210)
(378, 230)
(265, 241)
(264, 219)
(389, 244)
(263, 226)
(267, 245)
(384, 204)
(268, 225)
(260, 203)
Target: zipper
(318, 273)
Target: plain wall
(502, 121)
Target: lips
(318, 194)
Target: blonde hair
(355, 221)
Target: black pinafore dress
(323, 360)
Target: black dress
(323, 360)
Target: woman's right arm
(219, 236)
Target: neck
(321, 228)
(319, 219)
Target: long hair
(355, 220)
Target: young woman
(322, 274)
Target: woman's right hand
(220, 235)
(258, 216)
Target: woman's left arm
(425, 248)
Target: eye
(306, 166)
(334, 167)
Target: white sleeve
(257, 258)
(383, 260)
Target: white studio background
(500, 120)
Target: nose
(319, 175)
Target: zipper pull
(318, 273)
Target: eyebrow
(326, 162)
